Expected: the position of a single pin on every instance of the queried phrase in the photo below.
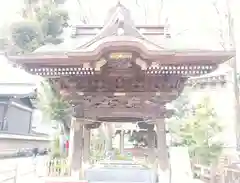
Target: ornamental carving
(143, 94)
(99, 83)
(119, 56)
(146, 126)
(120, 64)
(132, 79)
(92, 125)
(78, 111)
(112, 102)
(118, 102)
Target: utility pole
(231, 44)
(233, 64)
(236, 101)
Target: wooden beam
(151, 112)
(79, 96)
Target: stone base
(164, 176)
(76, 174)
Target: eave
(168, 57)
(119, 34)
(129, 39)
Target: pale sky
(198, 17)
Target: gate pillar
(86, 144)
(109, 136)
(75, 155)
(121, 147)
(75, 148)
(162, 151)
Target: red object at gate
(67, 144)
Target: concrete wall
(17, 118)
(11, 142)
(2, 107)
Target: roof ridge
(116, 18)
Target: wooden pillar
(162, 151)
(109, 137)
(151, 139)
(151, 144)
(86, 151)
(76, 142)
(75, 148)
(121, 142)
(61, 143)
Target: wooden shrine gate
(121, 73)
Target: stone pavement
(28, 170)
(31, 171)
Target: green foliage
(54, 25)
(53, 105)
(55, 150)
(199, 129)
(182, 108)
(47, 23)
(27, 35)
(43, 12)
(97, 148)
(139, 138)
(52, 20)
(122, 157)
(3, 43)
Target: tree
(158, 8)
(54, 106)
(52, 20)
(44, 19)
(182, 107)
(28, 11)
(198, 129)
(27, 35)
(83, 18)
(32, 6)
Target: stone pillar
(75, 148)
(121, 148)
(86, 151)
(162, 151)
